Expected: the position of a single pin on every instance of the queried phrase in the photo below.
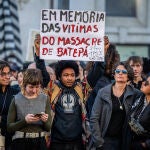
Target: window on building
(63, 4)
(122, 8)
(126, 51)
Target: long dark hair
(111, 58)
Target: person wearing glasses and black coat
(6, 94)
(109, 117)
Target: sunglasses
(117, 71)
(146, 83)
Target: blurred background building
(127, 21)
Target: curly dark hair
(63, 64)
(111, 58)
(127, 67)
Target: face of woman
(121, 74)
(5, 76)
(68, 77)
(32, 90)
(146, 87)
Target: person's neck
(118, 89)
(31, 96)
(137, 79)
(3, 88)
(119, 86)
(148, 98)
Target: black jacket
(95, 73)
(5, 100)
(101, 115)
(40, 64)
(102, 82)
(67, 123)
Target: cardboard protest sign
(72, 35)
(31, 46)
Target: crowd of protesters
(76, 106)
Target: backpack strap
(78, 89)
(55, 94)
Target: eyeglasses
(117, 71)
(146, 83)
(4, 74)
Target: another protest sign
(31, 46)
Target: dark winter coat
(95, 73)
(102, 82)
(101, 115)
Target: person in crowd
(108, 121)
(6, 94)
(146, 66)
(53, 65)
(53, 80)
(40, 63)
(68, 107)
(140, 119)
(136, 62)
(112, 57)
(51, 72)
(29, 115)
(80, 78)
(32, 65)
(20, 77)
(14, 72)
(52, 76)
(95, 70)
(19, 80)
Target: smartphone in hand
(38, 115)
